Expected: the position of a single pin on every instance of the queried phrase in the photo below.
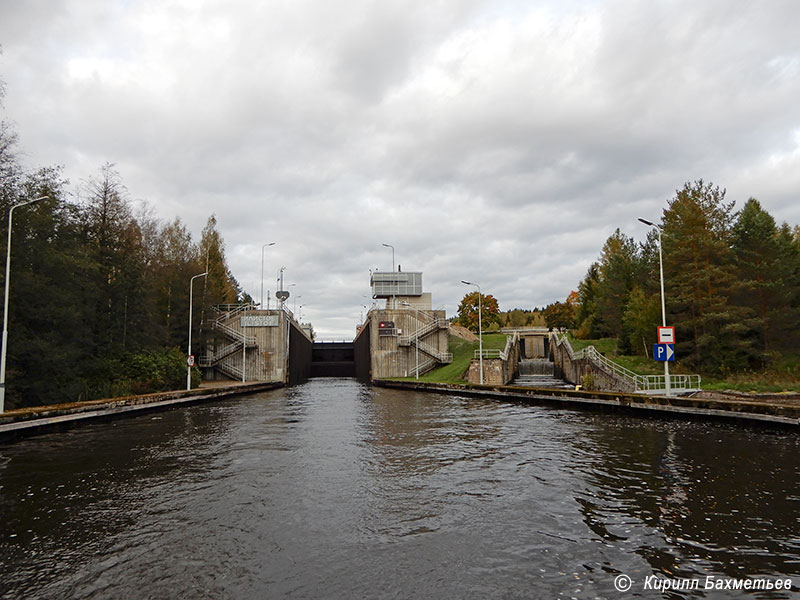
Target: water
(336, 490)
(538, 372)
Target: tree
(115, 246)
(586, 314)
(618, 263)
(641, 320)
(713, 333)
(561, 315)
(767, 265)
(468, 311)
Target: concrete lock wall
(281, 351)
(387, 357)
(583, 371)
(361, 352)
(496, 371)
(300, 354)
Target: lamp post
(189, 353)
(394, 302)
(5, 304)
(480, 328)
(667, 383)
(262, 273)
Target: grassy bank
(463, 352)
(783, 375)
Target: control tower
(407, 337)
(400, 289)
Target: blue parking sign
(664, 352)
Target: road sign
(664, 352)
(666, 335)
(190, 360)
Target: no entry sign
(666, 335)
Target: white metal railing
(208, 360)
(235, 334)
(489, 353)
(654, 384)
(424, 366)
(228, 310)
(496, 353)
(443, 357)
(646, 384)
(230, 368)
(596, 357)
(424, 330)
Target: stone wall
(496, 371)
(582, 371)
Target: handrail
(434, 325)
(208, 360)
(228, 310)
(235, 333)
(497, 353)
(445, 357)
(648, 384)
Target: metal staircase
(431, 356)
(225, 359)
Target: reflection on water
(337, 490)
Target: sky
(498, 141)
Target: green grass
(782, 376)
(463, 352)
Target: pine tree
(713, 333)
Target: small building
(406, 337)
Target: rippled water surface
(336, 490)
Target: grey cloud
(493, 141)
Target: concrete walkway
(26, 421)
(772, 410)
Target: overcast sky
(496, 141)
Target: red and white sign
(666, 335)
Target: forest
(731, 279)
(99, 300)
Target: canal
(334, 489)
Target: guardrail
(644, 384)
(489, 353)
(495, 353)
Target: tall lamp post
(480, 328)
(5, 304)
(667, 382)
(262, 272)
(189, 353)
(394, 302)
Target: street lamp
(667, 383)
(262, 272)
(480, 328)
(189, 353)
(5, 305)
(394, 302)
